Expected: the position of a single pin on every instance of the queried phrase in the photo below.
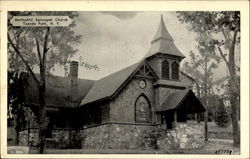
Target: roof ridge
(114, 81)
(65, 77)
(119, 70)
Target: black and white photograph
(124, 82)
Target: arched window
(165, 69)
(142, 110)
(175, 70)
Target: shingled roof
(175, 100)
(107, 86)
(58, 88)
(57, 91)
(163, 43)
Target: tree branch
(24, 61)
(45, 49)
(38, 51)
(197, 63)
(223, 56)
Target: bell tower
(164, 58)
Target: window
(175, 70)
(142, 110)
(165, 69)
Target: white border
(243, 6)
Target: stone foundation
(118, 136)
(123, 136)
(183, 136)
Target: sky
(114, 40)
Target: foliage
(14, 102)
(202, 65)
(30, 41)
(222, 118)
(224, 29)
(43, 48)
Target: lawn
(212, 145)
(212, 127)
(209, 147)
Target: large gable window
(142, 110)
(175, 70)
(165, 69)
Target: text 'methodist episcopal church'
(148, 105)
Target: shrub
(222, 118)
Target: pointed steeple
(163, 42)
(162, 32)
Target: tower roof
(163, 42)
(162, 32)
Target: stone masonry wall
(183, 136)
(33, 137)
(122, 108)
(61, 138)
(118, 136)
(125, 136)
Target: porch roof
(176, 100)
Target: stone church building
(148, 105)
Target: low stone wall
(61, 138)
(118, 136)
(122, 136)
(32, 137)
(64, 139)
(183, 136)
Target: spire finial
(163, 42)
(162, 21)
(162, 18)
(162, 32)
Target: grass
(212, 127)
(98, 151)
(211, 146)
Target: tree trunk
(42, 113)
(199, 97)
(16, 128)
(42, 90)
(233, 91)
(235, 124)
(233, 102)
(205, 99)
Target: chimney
(73, 69)
(73, 74)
